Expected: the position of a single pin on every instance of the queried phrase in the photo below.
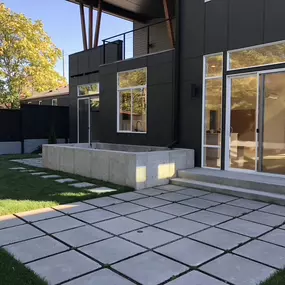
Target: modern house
(207, 75)
(58, 97)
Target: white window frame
(250, 48)
(29, 102)
(40, 102)
(118, 101)
(52, 102)
(205, 78)
(87, 84)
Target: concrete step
(257, 182)
(230, 190)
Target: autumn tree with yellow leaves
(27, 58)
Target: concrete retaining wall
(136, 169)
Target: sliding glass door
(255, 128)
(272, 123)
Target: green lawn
(276, 279)
(23, 192)
(12, 272)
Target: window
(54, 102)
(29, 102)
(212, 113)
(132, 101)
(88, 89)
(40, 102)
(256, 56)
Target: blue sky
(62, 23)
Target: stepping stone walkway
(17, 168)
(145, 237)
(102, 190)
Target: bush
(52, 137)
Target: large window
(212, 113)
(88, 89)
(256, 56)
(132, 101)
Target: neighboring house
(212, 79)
(58, 97)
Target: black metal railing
(144, 40)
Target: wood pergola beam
(83, 26)
(98, 23)
(169, 23)
(90, 26)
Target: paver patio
(166, 235)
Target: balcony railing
(144, 40)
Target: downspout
(177, 87)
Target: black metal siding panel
(159, 108)
(192, 22)
(11, 129)
(216, 26)
(245, 23)
(274, 20)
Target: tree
(27, 58)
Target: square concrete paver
(31, 250)
(195, 278)
(151, 191)
(150, 268)
(219, 197)
(238, 270)
(264, 252)
(9, 221)
(249, 204)
(74, 208)
(276, 236)
(220, 238)
(38, 173)
(103, 202)
(18, 233)
(63, 266)
(58, 224)
(17, 168)
(208, 218)
(102, 190)
(65, 180)
(177, 209)
(199, 203)
(40, 214)
(189, 252)
(229, 210)
(111, 250)
(274, 209)
(245, 227)
(193, 192)
(82, 236)
(101, 277)
(120, 225)
(181, 226)
(95, 216)
(264, 218)
(129, 196)
(150, 237)
(82, 185)
(125, 208)
(151, 202)
(50, 176)
(170, 187)
(151, 216)
(173, 197)
(27, 171)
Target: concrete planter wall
(138, 167)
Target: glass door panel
(272, 123)
(83, 120)
(242, 122)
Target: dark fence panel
(10, 125)
(38, 121)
